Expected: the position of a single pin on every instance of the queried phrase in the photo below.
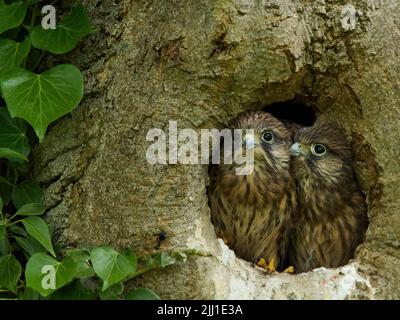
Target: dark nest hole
(292, 111)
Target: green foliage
(112, 266)
(38, 97)
(42, 98)
(141, 294)
(14, 53)
(32, 97)
(10, 271)
(67, 34)
(11, 16)
(89, 273)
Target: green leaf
(74, 291)
(13, 133)
(66, 35)
(11, 154)
(38, 273)
(31, 209)
(29, 294)
(81, 259)
(10, 271)
(30, 245)
(18, 230)
(160, 260)
(113, 292)
(42, 98)
(12, 54)
(12, 34)
(142, 294)
(12, 15)
(4, 245)
(1, 205)
(39, 230)
(112, 266)
(27, 192)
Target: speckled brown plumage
(252, 213)
(331, 219)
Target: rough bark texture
(201, 63)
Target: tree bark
(201, 63)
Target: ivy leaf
(39, 230)
(30, 245)
(10, 154)
(81, 259)
(27, 192)
(112, 266)
(113, 292)
(29, 294)
(42, 98)
(160, 260)
(13, 133)
(142, 294)
(67, 34)
(12, 15)
(41, 281)
(18, 230)
(12, 53)
(10, 271)
(74, 291)
(31, 209)
(4, 245)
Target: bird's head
(321, 153)
(270, 140)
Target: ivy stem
(12, 217)
(16, 176)
(139, 272)
(33, 18)
(14, 222)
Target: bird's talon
(261, 263)
(271, 266)
(289, 269)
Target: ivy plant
(31, 97)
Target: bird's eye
(318, 149)
(268, 136)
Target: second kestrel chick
(331, 219)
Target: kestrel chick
(253, 211)
(331, 219)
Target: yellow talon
(289, 269)
(261, 263)
(271, 266)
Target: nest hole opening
(292, 111)
(297, 112)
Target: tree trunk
(200, 63)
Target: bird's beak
(296, 149)
(249, 141)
